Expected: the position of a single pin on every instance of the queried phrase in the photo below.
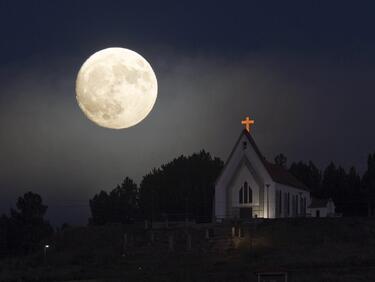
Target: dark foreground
(340, 249)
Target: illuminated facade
(250, 186)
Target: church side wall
(293, 192)
(269, 200)
(220, 202)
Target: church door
(317, 213)
(246, 213)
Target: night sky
(304, 70)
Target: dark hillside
(337, 249)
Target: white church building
(249, 186)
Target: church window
(249, 193)
(296, 204)
(285, 204)
(245, 194)
(280, 203)
(296, 207)
(294, 211)
(244, 145)
(277, 203)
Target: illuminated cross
(247, 122)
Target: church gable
(244, 170)
(244, 150)
(245, 185)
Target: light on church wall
(267, 201)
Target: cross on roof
(247, 122)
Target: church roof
(282, 176)
(277, 173)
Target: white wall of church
(292, 192)
(269, 200)
(220, 202)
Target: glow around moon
(116, 88)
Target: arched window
(245, 194)
(249, 194)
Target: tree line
(178, 189)
(184, 188)
(351, 193)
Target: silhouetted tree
(27, 227)
(124, 201)
(343, 187)
(309, 174)
(120, 205)
(30, 208)
(100, 207)
(354, 181)
(369, 176)
(368, 183)
(329, 182)
(4, 226)
(354, 200)
(182, 186)
(281, 160)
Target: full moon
(116, 88)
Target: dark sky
(304, 70)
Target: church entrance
(246, 213)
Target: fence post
(170, 242)
(125, 245)
(188, 242)
(166, 222)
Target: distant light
(46, 246)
